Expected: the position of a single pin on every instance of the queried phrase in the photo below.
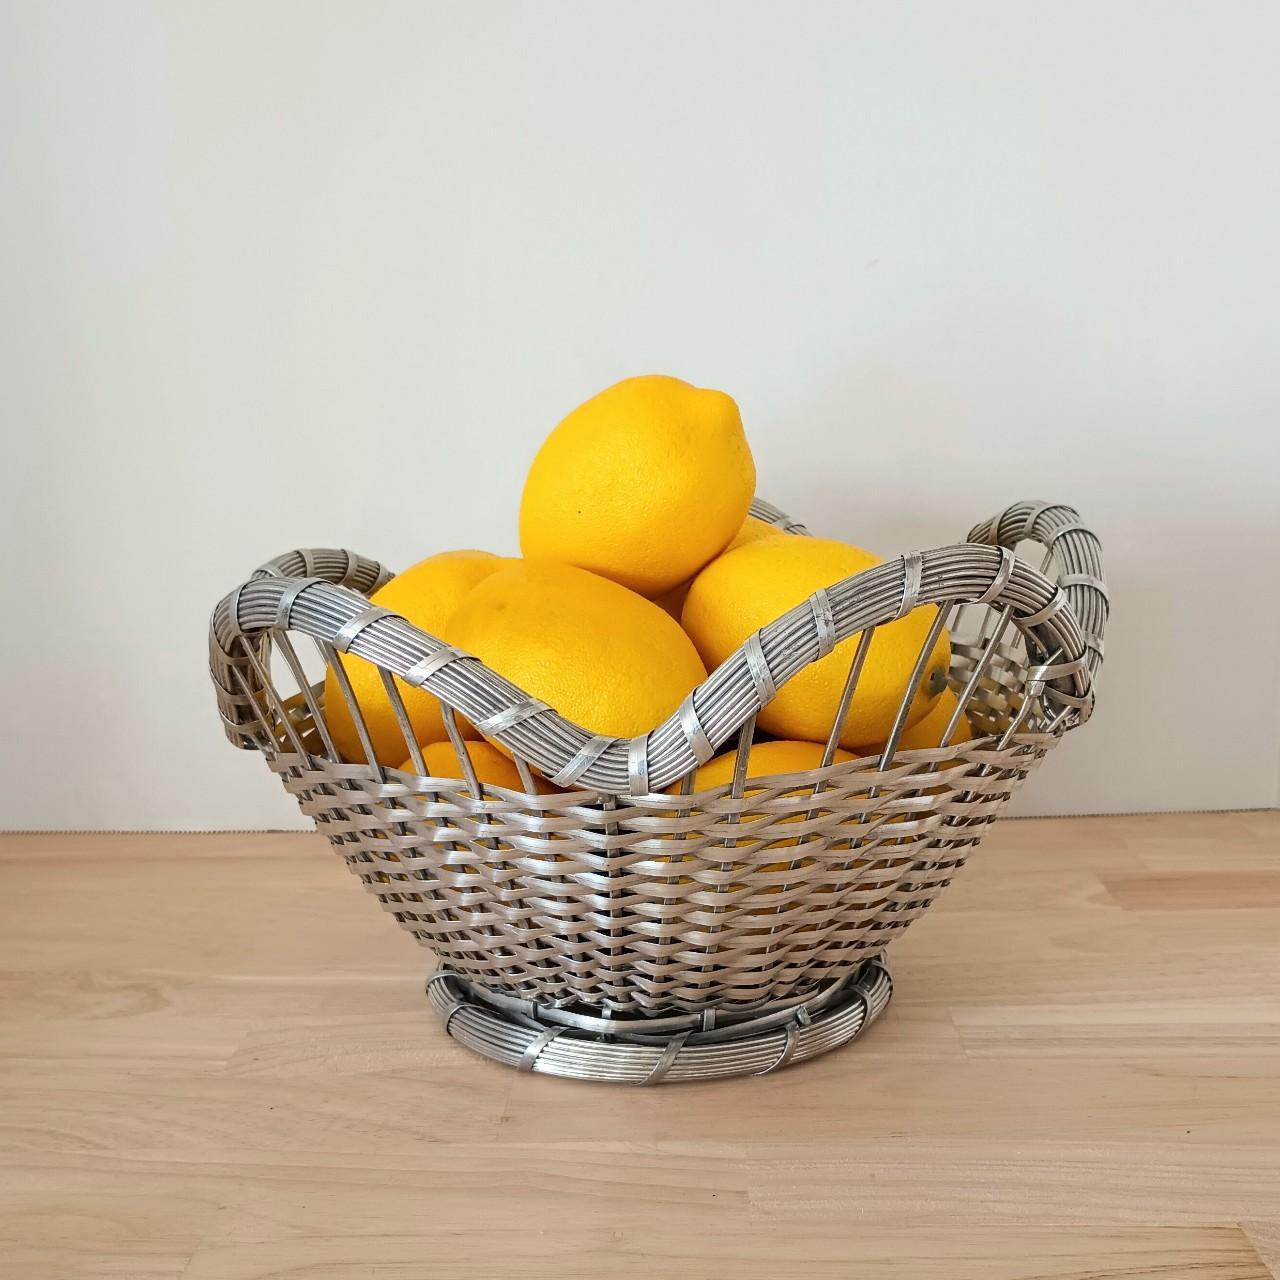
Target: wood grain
(216, 1063)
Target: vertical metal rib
(846, 695)
(412, 750)
(271, 696)
(353, 706)
(313, 703)
(980, 669)
(913, 685)
(450, 718)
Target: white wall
(316, 274)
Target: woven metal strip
(535, 1047)
(236, 626)
(638, 766)
(791, 1038)
(1056, 605)
(823, 621)
(346, 633)
(758, 669)
(1035, 511)
(1084, 580)
(1001, 580)
(587, 755)
(505, 719)
(421, 670)
(669, 1055)
(912, 564)
(693, 732)
(1074, 526)
(1056, 670)
(284, 610)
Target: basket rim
(324, 593)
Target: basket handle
(335, 614)
(230, 667)
(344, 568)
(1076, 550)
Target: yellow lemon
(490, 765)
(427, 594)
(928, 732)
(642, 484)
(752, 531)
(764, 760)
(672, 601)
(604, 657)
(745, 589)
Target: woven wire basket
(624, 927)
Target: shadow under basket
(623, 927)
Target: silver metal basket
(617, 930)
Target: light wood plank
(712, 1252)
(1079, 1077)
(1265, 1238)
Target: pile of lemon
(641, 572)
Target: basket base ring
(641, 1050)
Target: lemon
(489, 764)
(752, 531)
(928, 732)
(427, 594)
(764, 759)
(604, 657)
(746, 588)
(642, 484)
(672, 601)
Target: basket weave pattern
(617, 893)
(646, 903)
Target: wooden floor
(217, 1064)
